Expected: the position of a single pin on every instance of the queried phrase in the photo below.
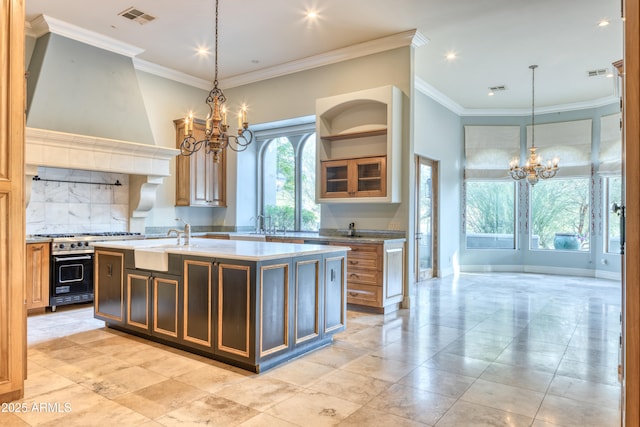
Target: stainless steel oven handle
(74, 258)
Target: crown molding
(43, 24)
(171, 74)
(406, 38)
(433, 93)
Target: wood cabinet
(199, 180)
(363, 177)
(375, 274)
(37, 276)
(360, 147)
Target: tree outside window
(560, 214)
(490, 214)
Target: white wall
(438, 136)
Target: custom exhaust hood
(85, 111)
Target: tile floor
(476, 350)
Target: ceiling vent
(497, 88)
(595, 73)
(136, 15)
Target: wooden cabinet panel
(234, 310)
(274, 308)
(335, 293)
(138, 296)
(199, 180)
(394, 271)
(370, 295)
(109, 286)
(37, 275)
(166, 303)
(198, 297)
(307, 315)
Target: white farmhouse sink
(154, 258)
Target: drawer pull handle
(353, 275)
(353, 262)
(353, 294)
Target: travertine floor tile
(311, 409)
(553, 339)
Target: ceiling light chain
(533, 170)
(216, 137)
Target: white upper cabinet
(359, 147)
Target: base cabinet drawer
(364, 294)
(365, 277)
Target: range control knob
(61, 245)
(73, 245)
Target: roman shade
(489, 149)
(610, 155)
(568, 141)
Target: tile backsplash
(91, 205)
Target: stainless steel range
(71, 272)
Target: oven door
(72, 274)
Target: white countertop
(230, 249)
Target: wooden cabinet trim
(96, 284)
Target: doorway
(426, 218)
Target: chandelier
(216, 137)
(533, 170)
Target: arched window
(287, 179)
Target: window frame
(298, 136)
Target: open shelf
(354, 135)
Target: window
(288, 169)
(490, 207)
(612, 193)
(490, 214)
(560, 217)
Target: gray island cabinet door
(109, 286)
(335, 293)
(309, 294)
(274, 295)
(167, 298)
(235, 283)
(138, 300)
(198, 303)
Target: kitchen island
(249, 304)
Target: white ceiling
(495, 40)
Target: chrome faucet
(266, 226)
(178, 234)
(186, 232)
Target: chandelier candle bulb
(239, 121)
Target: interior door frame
(435, 270)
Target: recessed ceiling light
(451, 56)
(312, 14)
(491, 93)
(603, 23)
(203, 51)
